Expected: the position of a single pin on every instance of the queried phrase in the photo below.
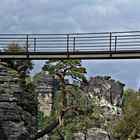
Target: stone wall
(18, 112)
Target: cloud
(67, 16)
(59, 16)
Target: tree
(23, 66)
(37, 76)
(83, 115)
(62, 69)
(128, 126)
(128, 95)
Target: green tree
(83, 115)
(128, 95)
(37, 76)
(128, 126)
(23, 66)
(62, 69)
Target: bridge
(105, 45)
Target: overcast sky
(70, 16)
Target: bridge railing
(78, 42)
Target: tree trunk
(47, 130)
(58, 121)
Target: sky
(70, 16)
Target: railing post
(34, 44)
(67, 45)
(110, 45)
(74, 44)
(27, 45)
(115, 43)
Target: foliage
(41, 120)
(14, 47)
(72, 68)
(83, 114)
(128, 126)
(23, 66)
(37, 76)
(128, 95)
(71, 106)
(61, 69)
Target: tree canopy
(128, 126)
(61, 69)
(72, 112)
(23, 66)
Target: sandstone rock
(79, 136)
(92, 134)
(45, 88)
(18, 112)
(108, 94)
(97, 134)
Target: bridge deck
(107, 45)
(72, 55)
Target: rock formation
(18, 112)
(45, 89)
(108, 94)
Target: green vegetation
(23, 66)
(128, 95)
(37, 76)
(72, 110)
(79, 118)
(128, 126)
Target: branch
(61, 135)
(73, 96)
(74, 77)
(52, 126)
(72, 86)
(47, 130)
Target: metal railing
(77, 42)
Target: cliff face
(45, 88)
(18, 112)
(108, 94)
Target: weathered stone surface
(92, 134)
(79, 136)
(97, 134)
(18, 112)
(108, 94)
(45, 88)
